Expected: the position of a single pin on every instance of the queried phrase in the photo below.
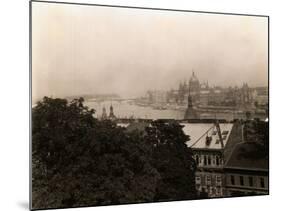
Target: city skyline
(75, 55)
(134, 105)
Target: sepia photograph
(139, 105)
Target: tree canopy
(173, 160)
(78, 160)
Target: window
(217, 160)
(208, 140)
(197, 159)
(218, 181)
(241, 180)
(205, 160)
(198, 180)
(208, 180)
(209, 160)
(262, 182)
(251, 183)
(225, 132)
(218, 191)
(218, 178)
(232, 179)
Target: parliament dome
(193, 78)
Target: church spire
(111, 113)
(190, 112)
(104, 115)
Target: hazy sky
(80, 49)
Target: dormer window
(208, 140)
(225, 132)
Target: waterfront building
(157, 97)
(204, 94)
(240, 98)
(216, 96)
(260, 96)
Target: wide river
(127, 109)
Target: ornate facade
(204, 95)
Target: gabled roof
(199, 131)
(244, 157)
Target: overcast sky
(80, 49)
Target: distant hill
(95, 96)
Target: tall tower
(194, 88)
(189, 101)
(104, 115)
(190, 112)
(111, 114)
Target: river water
(128, 109)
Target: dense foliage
(78, 160)
(173, 160)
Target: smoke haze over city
(146, 105)
(75, 54)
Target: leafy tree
(80, 161)
(173, 160)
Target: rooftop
(242, 158)
(140, 126)
(198, 133)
